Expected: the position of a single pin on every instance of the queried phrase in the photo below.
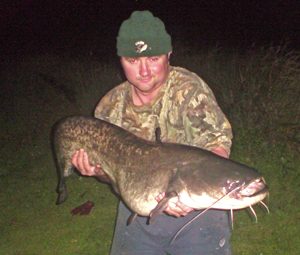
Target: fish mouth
(254, 188)
(250, 194)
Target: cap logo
(140, 46)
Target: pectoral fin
(161, 206)
(131, 218)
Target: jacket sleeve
(205, 124)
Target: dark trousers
(208, 234)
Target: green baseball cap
(143, 35)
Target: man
(157, 95)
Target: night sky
(30, 26)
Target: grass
(31, 223)
(258, 91)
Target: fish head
(236, 186)
(221, 184)
(239, 195)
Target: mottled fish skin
(140, 169)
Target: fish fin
(131, 218)
(62, 192)
(62, 197)
(161, 206)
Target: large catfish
(140, 169)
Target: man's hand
(80, 160)
(175, 209)
(221, 152)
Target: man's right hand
(80, 160)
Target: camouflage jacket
(185, 109)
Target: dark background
(29, 26)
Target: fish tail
(62, 192)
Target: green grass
(277, 232)
(31, 223)
(258, 90)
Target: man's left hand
(175, 209)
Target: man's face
(146, 74)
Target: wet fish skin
(140, 169)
